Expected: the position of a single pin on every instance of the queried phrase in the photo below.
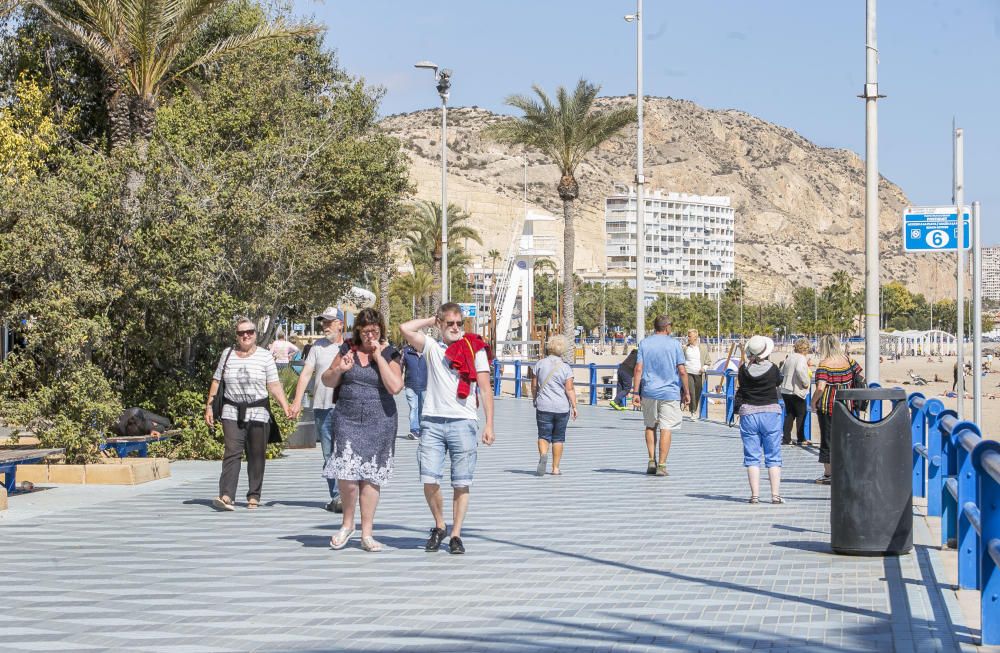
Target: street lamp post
(640, 180)
(872, 285)
(443, 79)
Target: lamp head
(630, 17)
(429, 65)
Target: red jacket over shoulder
(461, 357)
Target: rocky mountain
(799, 207)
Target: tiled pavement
(602, 558)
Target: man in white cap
(318, 360)
(660, 387)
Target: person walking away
(249, 373)
(555, 402)
(318, 360)
(794, 390)
(760, 416)
(660, 372)
(414, 386)
(450, 419)
(626, 369)
(364, 375)
(835, 370)
(282, 350)
(695, 363)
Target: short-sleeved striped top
(246, 381)
(835, 377)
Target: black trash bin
(871, 501)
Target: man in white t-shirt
(449, 424)
(318, 360)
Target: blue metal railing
(520, 376)
(959, 473)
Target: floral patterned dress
(364, 425)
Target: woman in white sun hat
(760, 416)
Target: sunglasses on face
(371, 332)
(451, 323)
(246, 332)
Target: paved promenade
(603, 558)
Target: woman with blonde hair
(794, 389)
(835, 370)
(555, 401)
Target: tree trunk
(569, 250)
(384, 279)
(436, 275)
(119, 114)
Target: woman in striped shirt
(835, 370)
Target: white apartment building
(991, 273)
(690, 246)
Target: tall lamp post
(640, 179)
(872, 285)
(443, 79)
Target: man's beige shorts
(662, 414)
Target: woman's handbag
(858, 383)
(219, 397)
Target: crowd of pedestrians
(353, 382)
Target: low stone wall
(113, 471)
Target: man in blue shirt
(414, 386)
(662, 378)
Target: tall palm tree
(139, 44)
(565, 132)
(422, 238)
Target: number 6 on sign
(937, 238)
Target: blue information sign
(933, 229)
(468, 310)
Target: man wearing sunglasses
(449, 422)
(318, 360)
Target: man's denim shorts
(551, 426)
(457, 438)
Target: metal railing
(520, 377)
(959, 473)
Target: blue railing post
(593, 384)
(968, 539)
(949, 504)
(989, 519)
(517, 379)
(875, 407)
(497, 373)
(935, 484)
(918, 436)
(703, 402)
(809, 415)
(730, 394)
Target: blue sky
(797, 63)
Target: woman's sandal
(777, 498)
(370, 544)
(339, 541)
(253, 504)
(754, 500)
(223, 503)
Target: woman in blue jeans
(555, 402)
(760, 416)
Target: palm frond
(239, 42)
(95, 43)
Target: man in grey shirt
(320, 356)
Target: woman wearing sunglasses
(365, 375)
(250, 373)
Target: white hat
(332, 313)
(760, 347)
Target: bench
(11, 458)
(123, 446)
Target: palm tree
(139, 45)
(565, 132)
(422, 239)
(419, 287)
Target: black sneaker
(434, 541)
(332, 506)
(455, 545)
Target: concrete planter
(114, 471)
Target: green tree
(565, 131)
(143, 46)
(422, 240)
